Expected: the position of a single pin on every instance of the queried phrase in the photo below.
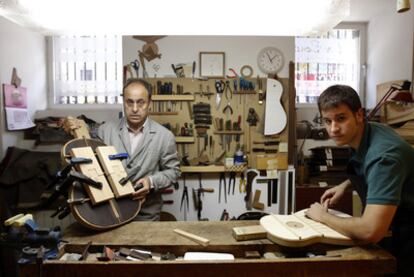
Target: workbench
(159, 237)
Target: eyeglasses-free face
(344, 126)
(136, 105)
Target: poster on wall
(15, 105)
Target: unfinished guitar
(297, 230)
(100, 196)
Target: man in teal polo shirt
(381, 170)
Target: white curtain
(87, 67)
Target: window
(87, 69)
(333, 58)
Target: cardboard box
(270, 162)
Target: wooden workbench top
(160, 234)
(159, 237)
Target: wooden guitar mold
(297, 230)
(275, 115)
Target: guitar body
(297, 230)
(275, 115)
(106, 214)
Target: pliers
(228, 92)
(222, 179)
(184, 197)
(232, 178)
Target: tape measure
(249, 70)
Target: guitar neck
(82, 131)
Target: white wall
(26, 51)
(390, 47)
(239, 50)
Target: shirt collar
(136, 131)
(359, 154)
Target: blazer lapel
(124, 136)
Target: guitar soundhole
(294, 224)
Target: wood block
(93, 171)
(256, 204)
(198, 239)
(252, 255)
(282, 161)
(114, 170)
(249, 232)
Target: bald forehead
(136, 90)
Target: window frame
(51, 87)
(362, 28)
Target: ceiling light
(184, 17)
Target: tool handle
(167, 191)
(207, 190)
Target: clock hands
(270, 59)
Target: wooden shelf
(202, 169)
(163, 113)
(213, 168)
(204, 93)
(183, 97)
(228, 132)
(182, 139)
(244, 92)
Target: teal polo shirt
(386, 162)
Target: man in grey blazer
(151, 148)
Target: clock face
(270, 60)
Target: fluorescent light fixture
(181, 17)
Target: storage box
(270, 162)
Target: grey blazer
(156, 156)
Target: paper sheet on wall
(15, 104)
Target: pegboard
(176, 113)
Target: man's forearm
(345, 184)
(352, 227)
(372, 226)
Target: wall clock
(270, 60)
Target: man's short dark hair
(336, 95)
(138, 81)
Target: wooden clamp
(114, 170)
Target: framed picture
(212, 64)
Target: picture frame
(212, 64)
